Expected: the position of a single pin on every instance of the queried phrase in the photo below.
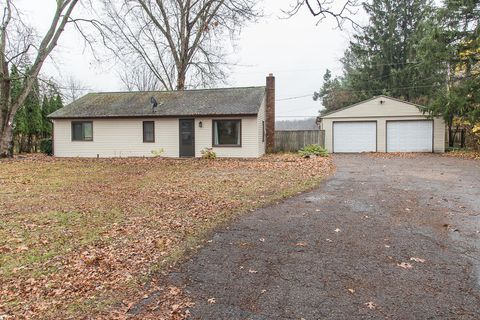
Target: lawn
(83, 237)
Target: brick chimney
(270, 114)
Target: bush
(313, 150)
(208, 153)
(158, 153)
(46, 146)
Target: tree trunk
(451, 136)
(181, 80)
(6, 145)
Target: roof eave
(154, 116)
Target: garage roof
(208, 102)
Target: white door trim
(356, 122)
(431, 140)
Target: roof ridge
(174, 91)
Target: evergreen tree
(389, 56)
(30, 123)
(50, 105)
(33, 112)
(458, 40)
(20, 126)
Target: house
(382, 124)
(235, 122)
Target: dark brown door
(187, 138)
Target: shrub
(208, 153)
(158, 153)
(46, 146)
(313, 150)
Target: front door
(187, 138)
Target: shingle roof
(230, 101)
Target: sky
(296, 50)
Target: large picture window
(82, 131)
(148, 131)
(227, 133)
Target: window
(263, 131)
(82, 131)
(148, 131)
(227, 133)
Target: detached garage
(382, 124)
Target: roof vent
(154, 103)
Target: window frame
(83, 130)
(239, 145)
(143, 131)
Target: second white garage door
(359, 136)
(409, 136)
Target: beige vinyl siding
(261, 118)
(117, 138)
(438, 129)
(374, 108)
(124, 138)
(249, 139)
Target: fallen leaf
(404, 265)
(22, 249)
(211, 300)
(174, 291)
(329, 240)
(337, 230)
(262, 239)
(301, 244)
(351, 290)
(387, 246)
(252, 271)
(417, 259)
(370, 305)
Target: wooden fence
(292, 141)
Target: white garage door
(409, 136)
(355, 136)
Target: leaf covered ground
(465, 154)
(82, 237)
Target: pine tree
(393, 55)
(384, 58)
(20, 124)
(50, 105)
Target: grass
(82, 237)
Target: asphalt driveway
(383, 238)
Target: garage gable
(381, 106)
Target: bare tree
(140, 79)
(72, 89)
(328, 8)
(17, 44)
(181, 42)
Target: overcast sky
(296, 50)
